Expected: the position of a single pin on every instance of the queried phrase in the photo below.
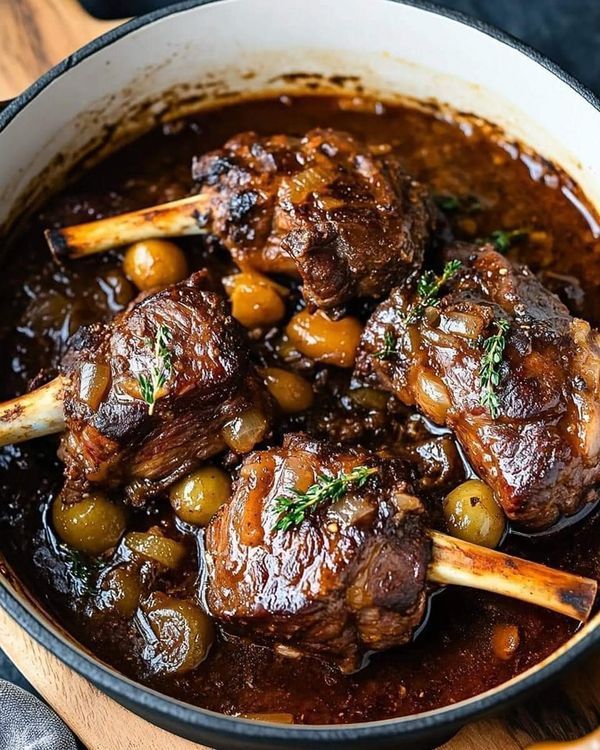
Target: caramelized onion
(246, 430)
(299, 186)
(155, 546)
(350, 510)
(94, 381)
(299, 472)
(432, 395)
(329, 203)
(461, 324)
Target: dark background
(567, 31)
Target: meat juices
(352, 223)
(349, 579)
(452, 658)
(540, 454)
(113, 436)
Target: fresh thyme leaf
(428, 288)
(489, 372)
(504, 239)
(388, 348)
(82, 567)
(466, 204)
(162, 367)
(294, 509)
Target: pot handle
(589, 742)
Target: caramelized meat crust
(540, 454)
(351, 223)
(349, 579)
(114, 437)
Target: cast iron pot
(194, 53)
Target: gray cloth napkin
(27, 724)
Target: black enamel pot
(187, 56)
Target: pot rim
(176, 712)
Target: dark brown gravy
(41, 304)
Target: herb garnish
(161, 369)
(504, 239)
(388, 348)
(294, 509)
(82, 567)
(428, 288)
(466, 204)
(489, 373)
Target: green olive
(92, 525)
(120, 590)
(472, 514)
(369, 398)
(197, 497)
(183, 631)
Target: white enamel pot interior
(226, 47)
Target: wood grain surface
(34, 35)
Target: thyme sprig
(293, 509)
(161, 369)
(450, 204)
(489, 371)
(82, 567)
(388, 348)
(504, 239)
(428, 288)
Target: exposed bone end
(57, 243)
(463, 564)
(34, 414)
(174, 219)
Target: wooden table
(34, 35)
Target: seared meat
(116, 437)
(349, 579)
(351, 223)
(540, 451)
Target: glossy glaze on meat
(114, 438)
(540, 454)
(348, 219)
(350, 579)
(451, 657)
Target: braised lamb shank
(144, 398)
(349, 579)
(500, 360)
(350, 222)
(348, 219)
